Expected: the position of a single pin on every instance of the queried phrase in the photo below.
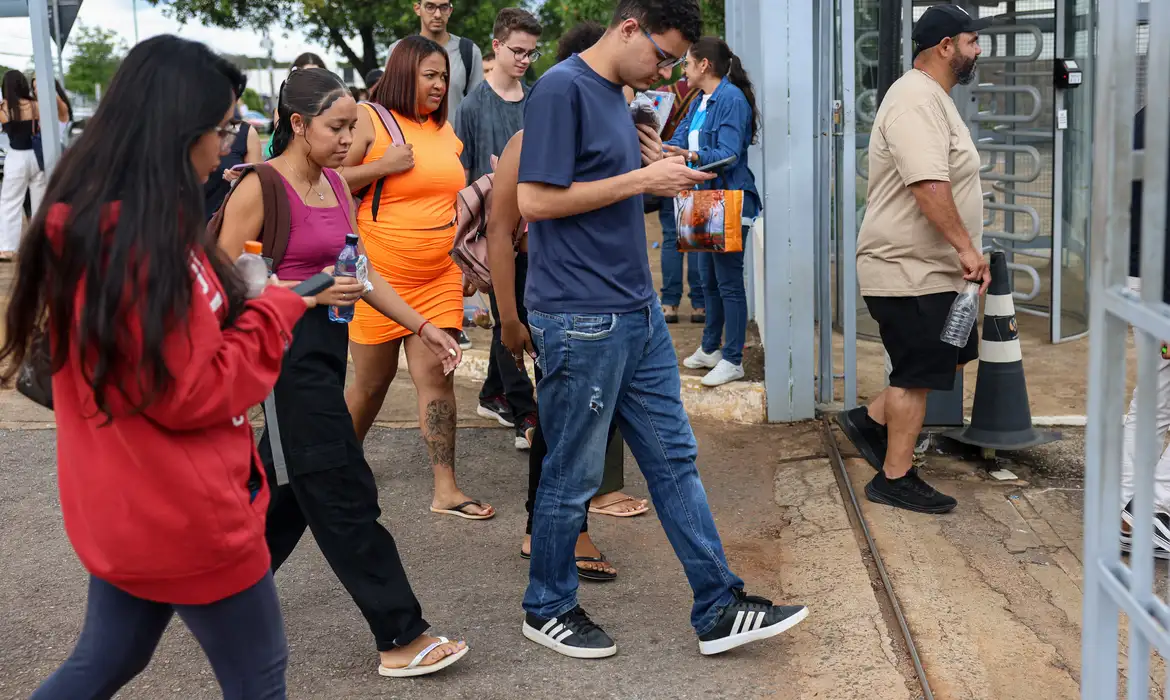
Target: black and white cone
(1001, 418)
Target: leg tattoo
(440, 432)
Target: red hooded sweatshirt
(158, 504)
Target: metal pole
(134, 8)
(38, 15)
(889, 22)
(60, 41)
(847, 215)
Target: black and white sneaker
(572, 634)
(1161, 532)
(749, 619)
(463, 340)
(496, 408)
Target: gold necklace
(312, 187)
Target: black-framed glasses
(522, 54)
(431, 8)
(668, 61)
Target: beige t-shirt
(918, 135)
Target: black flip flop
(585, 574)
(460, 511)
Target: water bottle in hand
(961, 319)
(252, 268)
(346, 267)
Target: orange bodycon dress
(403, 244)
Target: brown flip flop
(607, 509)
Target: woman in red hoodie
(157, 359)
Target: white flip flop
(413, 669)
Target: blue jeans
(672, 262)
(597, 366)
(723, 284)
(243, 637)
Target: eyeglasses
(668, 62)
(431, 8)
(227, 134)
(522, 54)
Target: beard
(964, 69)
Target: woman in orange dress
(408, 238)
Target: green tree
(252, 99)
(4, 69)
(97, 53)
(336, 23)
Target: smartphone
(718, 165)
(314, 285)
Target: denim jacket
(726, 132)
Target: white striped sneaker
(572, 634)
(749, 619)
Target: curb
(737, 402)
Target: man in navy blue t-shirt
(600, 335)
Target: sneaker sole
(895, 503)
(492, 415)
(853, 432)
(523, 444)
(721, 382)
(718, 646)
(565, 650)
(690, 363)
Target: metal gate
(1112, 585)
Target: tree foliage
(253, 100)
(97, 53)
(360, 30)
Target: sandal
(585, 574)
(670, 314)
(413, 669)
(460, 511)
(607, 509)
(7, 256)
(699, 316)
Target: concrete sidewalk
(771, 489)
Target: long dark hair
(398, 87)
(166, 95)
(309, 58)
(15, 89)
(727, 65)
(61, 94)
(307, 92)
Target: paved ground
(771, 489)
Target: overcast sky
(118, 16)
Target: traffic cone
(1001, 417)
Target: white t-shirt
(696, 124)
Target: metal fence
(1113, 586)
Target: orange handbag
(710, 221)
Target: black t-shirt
(216, 189)
(1135, 213)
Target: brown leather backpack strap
(277, 213)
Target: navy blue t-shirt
(577, 128)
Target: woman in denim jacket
(724, 123)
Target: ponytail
(727, 65)
(283, 133)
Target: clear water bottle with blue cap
(346, 266)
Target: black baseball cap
(942, 21)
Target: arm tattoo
(439, 432)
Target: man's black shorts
(910, 328)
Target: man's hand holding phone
(669, 176)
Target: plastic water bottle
(252, 268)
(961, 319)
(346, 267)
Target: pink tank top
(316, 235)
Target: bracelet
(421, 327)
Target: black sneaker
(749, 619)
(867, 436)
(572, 634)
(463, 340)
(1161, 532)
(909, 492)
(524, 430)
(496, 408)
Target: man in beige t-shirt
(919, 243)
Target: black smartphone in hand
(718, 165)
(314, 285)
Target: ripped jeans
(596, 367)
